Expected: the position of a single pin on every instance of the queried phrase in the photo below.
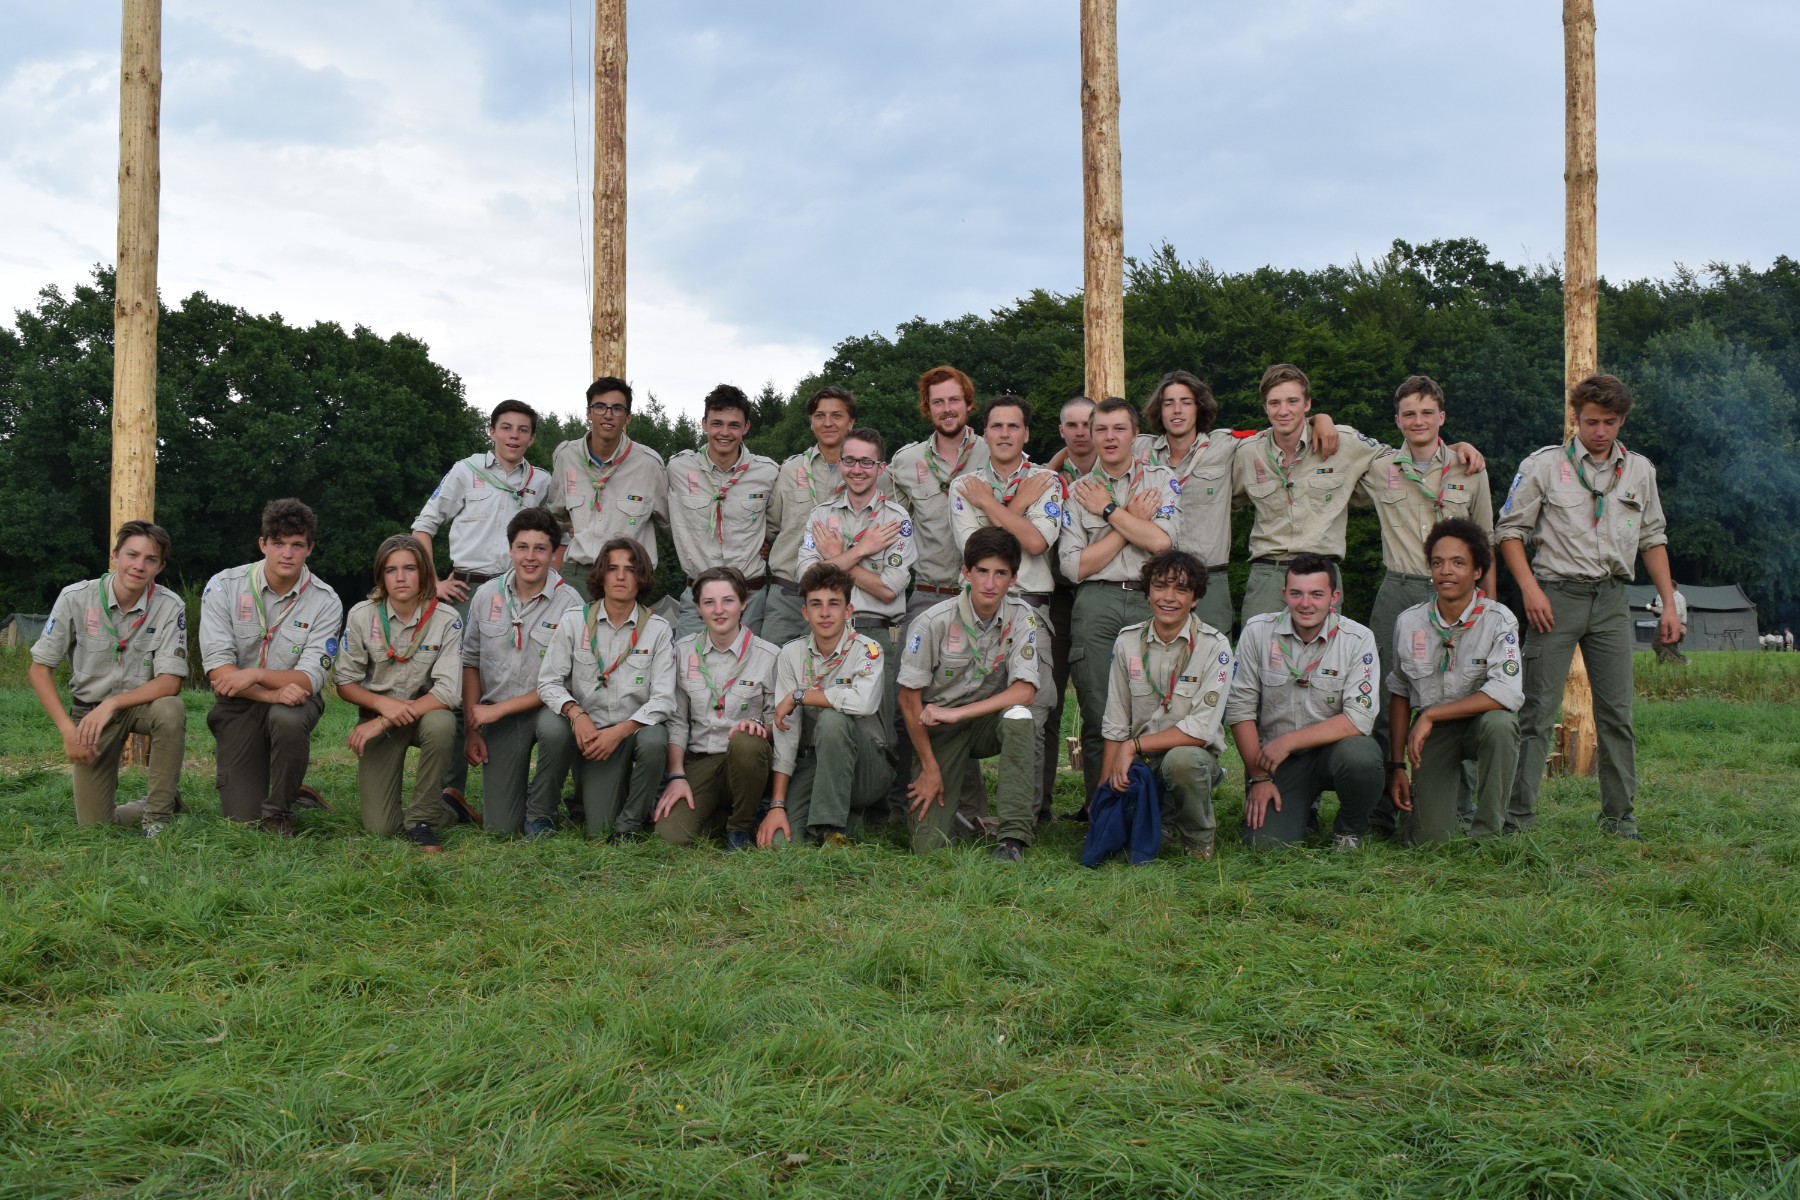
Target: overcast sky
(805, 172)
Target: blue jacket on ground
(1132, 818)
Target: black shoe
(425, 838)
(279, 826)
(739, 839)
(459, 808)
(309, 798)
(538, 828)
(1009, 850)
(1080, 814)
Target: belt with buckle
(933, 589)
(1128, 585)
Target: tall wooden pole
(608, 327)
(134, 305)
(1102, 202)
(1581, 301)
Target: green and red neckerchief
(836, 659)
(1006, 489)
(812, 488)
(743, 658)
(590, 614)
(1165, 697)
(1599, 494)
(1193, 457)
(387, 631)
(599, 482)
(1133, 477)
(973, 632)
(1278, 463)
(732, 478)
(517, 493)
(122, 642)
(1302, 676)
(932, 459)
(1411, 471)
(1450, 634)
(515, 614)
(262, 617)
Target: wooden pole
(1581, 299)
(608, 326)
(134, 297)
(1102, 202)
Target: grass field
(1562, 1014)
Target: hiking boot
(154, 829)
(1345, 843)
(739, 839)
(309, 798)
(537, 829)
(1009, 850)
(425, 838)
(279, 826)
(459, 808)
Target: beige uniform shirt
(1284, 684)
(894, 565)
(245, 623)
(953, 659)
(715, 689)
(720, 517)
(640, 678)
(478, 497)
(920, 479)
(805, 482)
(1300, 509)
(433, 646)
(1410, 501)
(1436, 665)
(112, 649)
(1581, 536)
(1044, 513)
(852, 679)
(1155, 685)
(596, 502)
(1202, 480)
(1081, 528)
(507, 638)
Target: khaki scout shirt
(715, 689)
(478, 497)
(434, 665)
(1203, 483)
(1082, 528)
(245, 623)
(1044, 513)
(1578, 537)
(1270, 656)
(1409, 507)
(1155, 685)
(506, 638)
(640, 687)
(894, 565)
(1482, 657)
(853, 682)
(953, 659)
(806, 481)
(596, 502)
(87, 627)
(1300, 509)
(720, 516)
(921, 485)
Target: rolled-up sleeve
(446, 668)
(1115, 725)
(1245, 700)
(444, 503)
(559, 663)
(786, 750)
(54, 643)
(861, 696)
(661, 705)
(217, 647)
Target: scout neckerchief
(1449, 635)
(599, 482)
(1410, 469)
(1302, 676)
(831, 664)
(870, 511)
(743, 659)
(517, 493)
(1008, 488)
(1281, 466)
(965, 613)
(590, 615)
(812, 489)
(1134, 475)
(515, 613)
(262, 617)
(1193, 457)
(387, 632)
(1070, 472)
(122, 642)
(1166, 697)
(732, 477)
(1599, 494)
(932, 459)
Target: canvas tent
(1719, 618)
(22, 629)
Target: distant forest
(362, 427)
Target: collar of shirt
(1303, 447)
(492, 462)
(965, 609)
(551, 583)
(261, 576)
(1474, 599)
(112, 595)
(1161, 456)
(999, 482)
(1188, 634)
(627, 623)
(394, 620)
(812, 642)
(1285, 628)
(704, 643)
(1614, 455)
(968, 436)
(587, 448)
(876, 501)
(714, 468)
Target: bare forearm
(1147, 536)
(1021, 692)
(1512, 553)
(912, 703)
(1249, 743)
(871, 583)
(1399, 723)
(1169, 739)
(43, 683)
(1656, 564)
(1096, 555)
(1323, 733)
(1472, 705)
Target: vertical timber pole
(134, 286)
(1102, 203)
(1581, 298)
(608, 328)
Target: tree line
(362, 427)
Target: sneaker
(279, 826)
(153, 829)
(1009, 851)
(459, 808)
(834, 839)
(739, 839)
(537, 829)
(1203, 852)
(309, 798)
(425, 838)
(1345, 843)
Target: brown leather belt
(473, 578)
(1128, 585)
(788, 587)
(757, 584)
(931, 589)
(1035, 599)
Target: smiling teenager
(807, 480)
(605, 485)
(719, 505)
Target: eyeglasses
(609, 410)
(861, 464)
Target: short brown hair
(408, 544)
(1011, 401)
(1608, 391)
(1282, 373)
(1177, 568)
(730, 575)
(1206, 406)
(1113, 404)
(937, 375)
(726, 396)
(286, 518)
(826, 577)
(1419, 385)
(865, 433)
(640, 566)
(144, 529)
(831, 391)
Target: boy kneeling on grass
(401, 666)
(969, 688)
(831, 745)
(1456, 666)
(126, 642)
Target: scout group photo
(1311, 713)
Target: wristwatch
(1396, 766)
(1107, 512)
(799, 695)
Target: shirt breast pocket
(1325, 487)
(1205, 487)
(1264, 490)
